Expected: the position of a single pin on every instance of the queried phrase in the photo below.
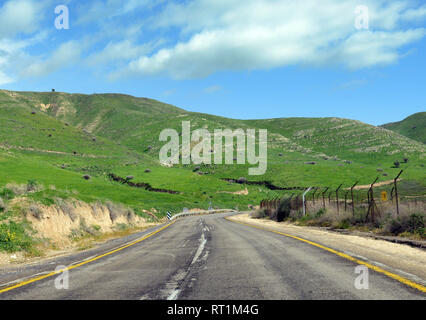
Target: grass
(14, 237)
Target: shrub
(86, 177)
(259, 214)
(242, 180)
(414, 223)
(17, 189)
(320, 213)
(7, 194)
(32, 185)
(344, 224)
(284, 209)
(13, 237)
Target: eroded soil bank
(73, 225)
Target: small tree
(31, 185)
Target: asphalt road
(209, 257)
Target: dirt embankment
(396, 256)
(72, 225)
(60, 223)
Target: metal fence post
(323, 199)
(352, 196)
(371, 204)
(337, 197)
(304, 202)
(346, 198)
(396, 192)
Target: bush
(284, 209)
(320, 213)
(31, 185)
(344, 224)
(242, 180)
(259, 214)
(7, 194)
(13, 237)
(16, 189)
(414, 223)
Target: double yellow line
(346, 256)
(35, 279)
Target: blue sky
(240, 59)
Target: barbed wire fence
(355, 199)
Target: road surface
(209, 257)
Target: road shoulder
(398, 258)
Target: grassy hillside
(56, 138)
(413, 127)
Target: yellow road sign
(384, 196)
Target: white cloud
(222, 35)
(19, 29)
(13, 57)
(65, 55)
(122, 50)
(20, 16)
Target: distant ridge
(413, 127)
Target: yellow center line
(32, 280)
(346, 256)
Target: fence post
(323, 200)
(371, 204)
(396, 192)
(352, 196)
(337, 197)
(346, 197)
(304, 202)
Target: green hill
(413, 127)
(55, 138)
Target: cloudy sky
(235, 58)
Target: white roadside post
(303, 197)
